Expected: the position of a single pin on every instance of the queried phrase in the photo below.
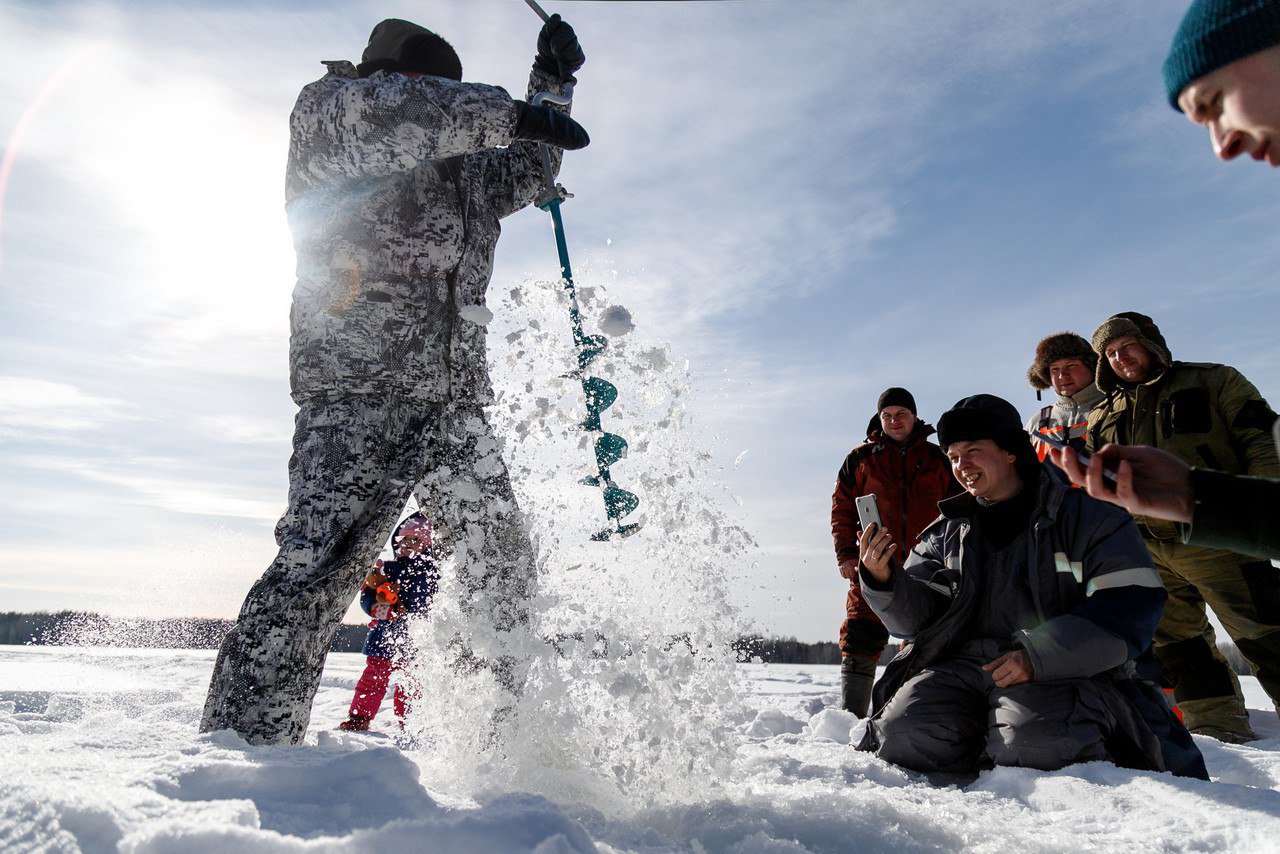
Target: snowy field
(99, 752)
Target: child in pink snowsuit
(391, 592)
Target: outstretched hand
(1149, 482)
(1012, 668)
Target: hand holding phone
(868, 511)
(875, 547)
(1147, 481)
(1054, 442)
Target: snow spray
(632, 691)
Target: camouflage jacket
(1207, 415)
(394, 189)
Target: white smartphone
(868, 511)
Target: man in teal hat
(1223, 72)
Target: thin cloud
(163, 484)
(34, 408)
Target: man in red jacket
(908, 475)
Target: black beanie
(985, 416)
(896, 397)
(396, 45)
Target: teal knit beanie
(1215, 33)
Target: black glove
(543, 124)
(558, 50)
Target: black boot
(856, 677)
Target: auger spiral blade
(600, 394)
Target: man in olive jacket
(398, 175)
(1211, 416)
(1025, 606)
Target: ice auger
(600, 393)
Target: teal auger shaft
(600, 394)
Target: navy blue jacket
(418, 579)
(1098, 599)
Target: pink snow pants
(372, 687)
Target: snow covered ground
(99, 752)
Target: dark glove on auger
(543, 124)
(558, 50)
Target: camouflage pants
(355, 463)
(1245, 595)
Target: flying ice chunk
(616, 321)
(477, 314)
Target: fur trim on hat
(1060, 345)
(1117, 326)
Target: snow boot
(355, 723)
(856, 677)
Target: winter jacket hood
(1141, 327)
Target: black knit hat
(896, 397)
(396, 45)
(1118, 325)
(1061, 345)
(985, 416)
(1215, 33)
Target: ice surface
(637, 732)
(100, 769)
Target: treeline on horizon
(81, 628)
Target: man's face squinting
(1239, 104)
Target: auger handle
(538, 9)
(548, 97)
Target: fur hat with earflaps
(1060, 345)
(1117, 326)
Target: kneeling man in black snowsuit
(1025, 605)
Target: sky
(810, 201)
